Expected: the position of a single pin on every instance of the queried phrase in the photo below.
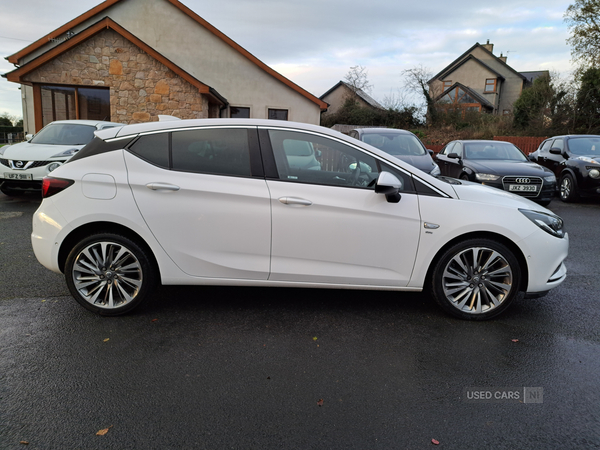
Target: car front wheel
(109, 274)
(476, 279)
(568, 190)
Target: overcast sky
(315, 42)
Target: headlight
(66, 153)
(594, 173)
(52, 167)
(486, 177)
(548, 222)
(550, 178)
(435, 171)
(2, 149)
(588, 160)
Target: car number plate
(18, 176)
(522, 188)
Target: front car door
(328, 224)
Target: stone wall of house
(141, 87)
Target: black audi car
(575, 160)
(498, 164)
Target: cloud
(314, 42)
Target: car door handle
(162, 187)
(295, 201)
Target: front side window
(215, 151)
(558, 143)
(306, 158)
(546, 146)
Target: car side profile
(24, 165)
(575, 160)
(498, 164)
(241, 202)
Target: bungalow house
(480, 81)
(130, 60)
(338, 94)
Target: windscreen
(64, 134)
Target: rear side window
(153, 148)
(223, 151)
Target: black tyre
(465, 177)
(476, 279)
(109, 274)
(568, 189)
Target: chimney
(502, 58)
(489, 47)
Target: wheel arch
(483, 235)
(88, 229)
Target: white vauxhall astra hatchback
(271, 203)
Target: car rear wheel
(568, 190)
(476, 279)
(109, 274)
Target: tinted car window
(153, 148)
(217, 151)
(307, 158)
(458, 149)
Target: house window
(278, 114)
(490, 85)
(66, 103)
(447, 84)
(458, 99)
(238, 112)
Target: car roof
(94, 123)
(381, 130)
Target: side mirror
(556, 151)
(28, 137)
(453, 156)
(431, 152)
(389, 185)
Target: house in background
(338, 94)
(480, 81)
(130, 60)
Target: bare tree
(416, 81)
(583, 20)
(357, 79)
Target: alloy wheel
(477, 280)
(107, 275)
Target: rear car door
(203, 195)
(328, 225)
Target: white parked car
(228, 202)
(24, 165)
